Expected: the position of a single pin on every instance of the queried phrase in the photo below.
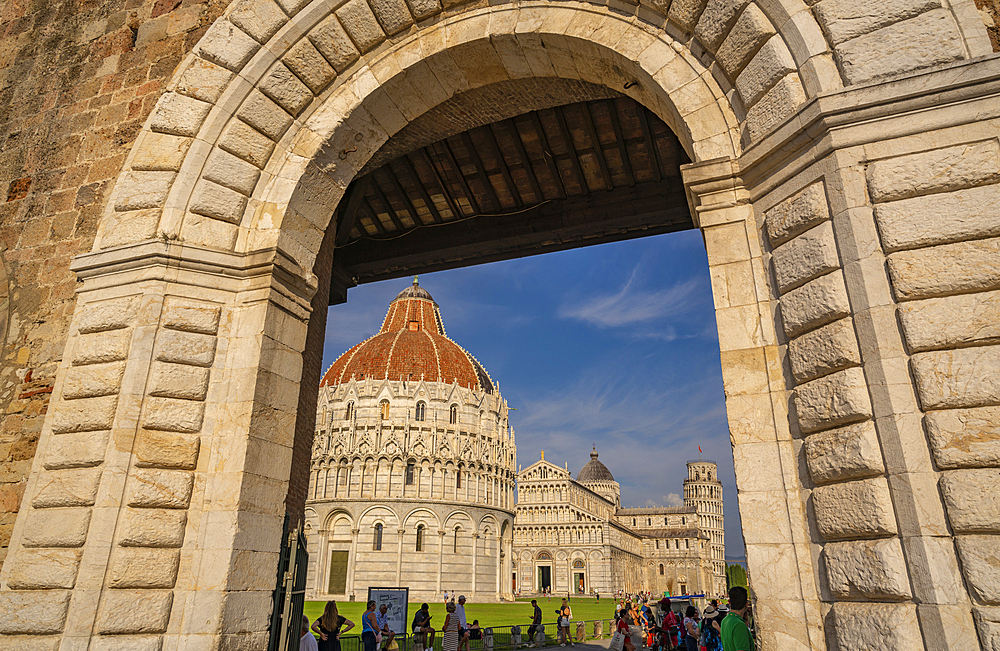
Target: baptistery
(413, 466)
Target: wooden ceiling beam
(481, 171)
(647, 136)
(452, 206)
(529, 170)
(547, 155)
(620, 140)
(574, 156)
(547, 227)
(469, 195)
(381, 196)
(412, 170)
(490, 137)
(349, 208)
(408, 206)
(588, 126)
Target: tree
(735, 575)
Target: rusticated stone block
(967, 377)
(946, 269)
(805, 257)
(165, 450)
(929, 39)
(84, 415)
(816, 303)
(204, 80)
(152, 528)
(164, 489)
(286, 89)
(101, 347)
(716, 20)
(113, 314)
(333, 43)
(191, 316)
(144, 567)
(160, 152)
(93, 381)
(32, 642)
(179, 115)
(846, 19)
(33, 612)
(834, 400)
(79, 450)
(685, 12)
(134, 611)
(393, 15)
(938, 170)
(240, 139)
(178, 381)
(855, 509)
(56, 528)
(227, 45)
(770, 64)
(981, 566)
(264, 115)
(951, 321)
(129, 227)
(988, 623)
(867, 569)
(850, 452)
(939, 218)
(61, 488)
(206, 231)
(213, 200)
(185, 348)
(751, 31)
(171, 415)
(360, 24)
(827, 349)
(774, 107)
(126, 643)
(876, 627)
(140, 190)
(309, 66)
(261, 19)
(972, 500)
(797, 214)
(965, 438)
(424, 8)
(44, 569)
(232, 172)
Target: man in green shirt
(735, 634)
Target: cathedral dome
(594, 470)
(411, 345)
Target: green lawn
(490, 615)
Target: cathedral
(414, 482)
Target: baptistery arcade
(413, 466)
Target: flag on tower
(699, 449)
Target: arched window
(454, 546)
(421, 412)
(453, 414)
(384, 409)
(377, 542)
(633, 522)
(458, 478)
(420, 537)
(349, 412)
(683, 521)
(664, 521)
(658, 546)
(409, 475)
(649, 522)
(661, 569)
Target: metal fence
(501, 638)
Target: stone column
(441, 535)
(399, 557)
(350, 561)
(475, 559)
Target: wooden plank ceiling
(552, 179)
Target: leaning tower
(703, 491)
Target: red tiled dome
(411, 345)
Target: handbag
(617, 642)
(378, 637)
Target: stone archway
(153, 513)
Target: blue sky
(613, 344)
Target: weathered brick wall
(77, 80)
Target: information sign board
(396, 600)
